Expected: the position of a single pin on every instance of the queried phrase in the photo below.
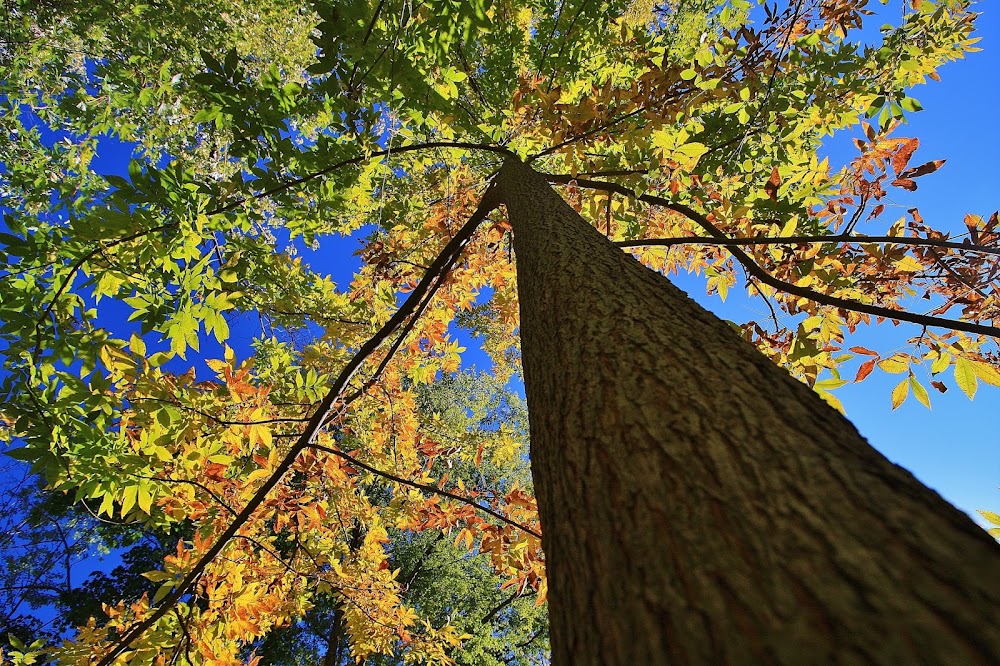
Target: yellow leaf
(216, 365)
(986, 372)
(543, 592)
(990, 516)
(107, 505)
(965, 377)
(895, 364)
(909, 265)
(830, 399)
(790, 226)
(137, 346)
(900, 392)
(145, 500)
(128, 500)
(940, 363)
(920, 393)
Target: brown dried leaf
(923, 169)
(771, 187)
(902, 156)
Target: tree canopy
(309, 473)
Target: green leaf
(24, 454)
(830, 384)
(157, 576)
(163, 591)
(876, 104)
(159, 358)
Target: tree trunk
(335, 639)
(699, 505)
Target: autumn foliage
(293, 468)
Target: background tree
(663, 126)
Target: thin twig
(797, 240)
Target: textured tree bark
(699, 505)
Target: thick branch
(753, 269)
(802, 240)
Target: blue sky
(955, 448)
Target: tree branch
(78, 264)
(752, 268)
(802, 240)
(425, 488)
(499, 607)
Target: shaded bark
(699, 505)
(336, 643)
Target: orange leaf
(902, 156)
(972, 223)
(865, 370)
(863, 350)
(771, 187)
(905, 183)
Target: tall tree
(714, 497)
(721, 522)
